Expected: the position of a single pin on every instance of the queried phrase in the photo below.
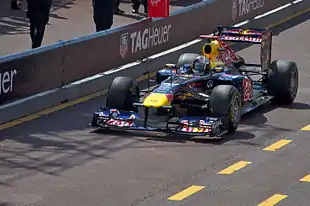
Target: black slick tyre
(240, 62)
(123, 92)
(282, 82)
(94, 121)
(225, 102)
(187, 58)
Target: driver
(201, 65)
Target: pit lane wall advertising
(31, 72)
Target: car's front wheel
(225, 102)
(123, 92)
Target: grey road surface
(57, 160)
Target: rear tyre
(123, 92)
(240, 62)
(225, 103)
(187, 58)
(282, 82)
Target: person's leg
(117, 9)
(32, 30)
(135, 6)
(32, 22)
(103, 14)
(145, 4)
(39, 33)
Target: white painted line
(84, 80)
(242, 23)
(273, 11)
(278, 9)
(126, 66)
(175, 49)
(20, 101)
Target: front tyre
(226, 103)
(282, 82)
(123, 92)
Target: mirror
(170, 66)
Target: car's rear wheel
(187, 58)
(282, 82)
(225, 102)
(123, 92)
(240, 62)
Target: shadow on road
(14, 22)
(184, 3)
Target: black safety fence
(31, 72)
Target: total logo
(7, 81)
(144, 39)
(244, 7)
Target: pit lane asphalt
(57, 160)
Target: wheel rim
(235, 110)
(293, 84)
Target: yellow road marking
(305, 179)
(306, 128)
(10, 124)
(29, 118)
(233, 168)
(273, 200)
(186, 193)
(96, 94)
(288, 18)
(277, 145)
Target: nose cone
(156, 100)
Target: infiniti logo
(155, 2)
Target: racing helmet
(201, 65)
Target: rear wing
(235, 34)
(249, 35)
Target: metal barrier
(49, 67)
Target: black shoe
(136, 11)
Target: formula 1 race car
(203, 94)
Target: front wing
(208, 127)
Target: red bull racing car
(203, 94)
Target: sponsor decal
(247, 89)
(144, 39)
(123, 49)
(265, 54)
(241, 38)
(243, 7)
(234, 9)
(209, 84)
(155, 2)
(119, 123)
(7, 81)
(195, 129)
